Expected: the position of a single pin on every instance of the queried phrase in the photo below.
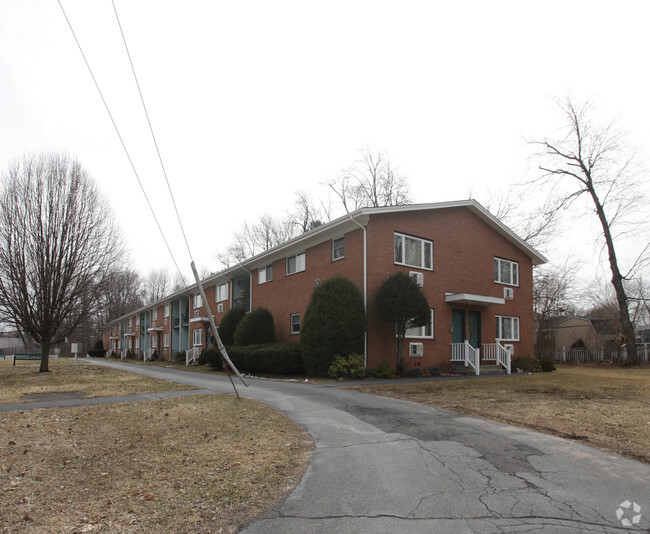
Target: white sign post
(76, 349)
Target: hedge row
(270, 358)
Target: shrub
(229, 324)
(350, 366)
(212, 357)
(384, 370)
(270, 358)
(130, 355)
(154, 356)
(334, 323)
(97, 350)
(546, 364)
(526, 363)
(179, 357)
(414, 372)
(431, 371)
(255, 328)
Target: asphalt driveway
(384, 465)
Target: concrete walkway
(384, 465)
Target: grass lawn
(65, 377)
(608, 408)
(192, 464)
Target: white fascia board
(476, 300)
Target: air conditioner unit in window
(196, 313)
(416, 350)
(418, 277)
(508, 293)
(220, 307)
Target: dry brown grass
(65, 377)
(608, 408)
(193, 464)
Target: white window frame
(499, 330)
(197, 301)
(137, 343)
(130, 343)
(338, 249)
(154, 341)
(299, 260)
(401, 260)
(221, 292)
(423, 332)
(130, 322)
(166, 340)
(513, 278)
(265, 274)
(154, 314)
(292, 330)
(166, 310)
(197, 333)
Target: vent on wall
(418, 277)
(220, 307)
(508, 293)
(416, 350)
(196, 313)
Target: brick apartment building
(475, 273)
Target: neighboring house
(586, 333)
(475, 273)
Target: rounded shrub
(229, 324)
(98, 350)
(546, 364)
(526, 363)
(350, 366)
(255, 328)
(334, 324)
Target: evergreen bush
(270, 358)
(350, 366)
(526, 363)
(546, 364)
(97, 350)
(210, 356)
(229, 324)
(334, 323)
(255, 328)
(384, 370)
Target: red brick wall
(464, 248)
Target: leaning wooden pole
(227, 364)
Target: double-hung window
(507, 328)
(506, 272)
(296, 263)
(338, 248)
(154, 314)
(165, 340)
(196, 337)
(221, 292)
(413, 251)
(166, 312)
(265, 274)
(198, 301)
(295, 323)
(425, 331)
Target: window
(265, 274)
(338, 248)
(221, 292)
(130, 322)
(137, 342)
(198, 301)
(130, 343)
(507, 328)
(154, 315)
(295, 323)
(166, 312)
(196, 337)
(137, 320)
(506, 272)
(296, 263)
(421, 331)
(165, 340)
(154, 342)
(413, 251)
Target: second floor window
(265, 274)
(221, 292)
(166, 310)
(154, 315)
(338, 248)
(506, 272)
(198, 301)
(413, 251)
(296, 263)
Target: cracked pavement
(385, 465)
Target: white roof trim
(155, 329)
(476, 300)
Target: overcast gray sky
(251, 101)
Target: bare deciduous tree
(122, 294)
(370, 181)
(593, 161)
(156, 285)
(58, 243)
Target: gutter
(365, 286)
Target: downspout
(365, 287)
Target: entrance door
(457, 326)
(474, 329)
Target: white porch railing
(498, 353)
(146, 355)
(122, 355)
(464, 352)
(108, 353)
(192, 355)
